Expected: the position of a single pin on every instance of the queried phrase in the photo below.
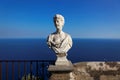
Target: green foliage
(28, 77)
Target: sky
(83, 18)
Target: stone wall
(96, 71)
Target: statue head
(58, 22)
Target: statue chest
(57, 38)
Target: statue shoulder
(67, 35)
(51, 35)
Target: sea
(37, 49)
(82, 50)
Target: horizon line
(46, 38)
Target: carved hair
(59, 16)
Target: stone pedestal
(60, 72)
(62, 59)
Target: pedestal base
(60, 76)
(60, 72)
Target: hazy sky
(83, 18)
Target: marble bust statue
(59, 41)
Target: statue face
(59, 22)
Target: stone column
(61, 72)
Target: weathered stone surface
(61, 72)
(97, 71)
(80, 72)
(109, 77)
(91, 71)
(62, 61)
(60, 76)
(53, 68)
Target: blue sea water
(82, 50)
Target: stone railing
(96, 71)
